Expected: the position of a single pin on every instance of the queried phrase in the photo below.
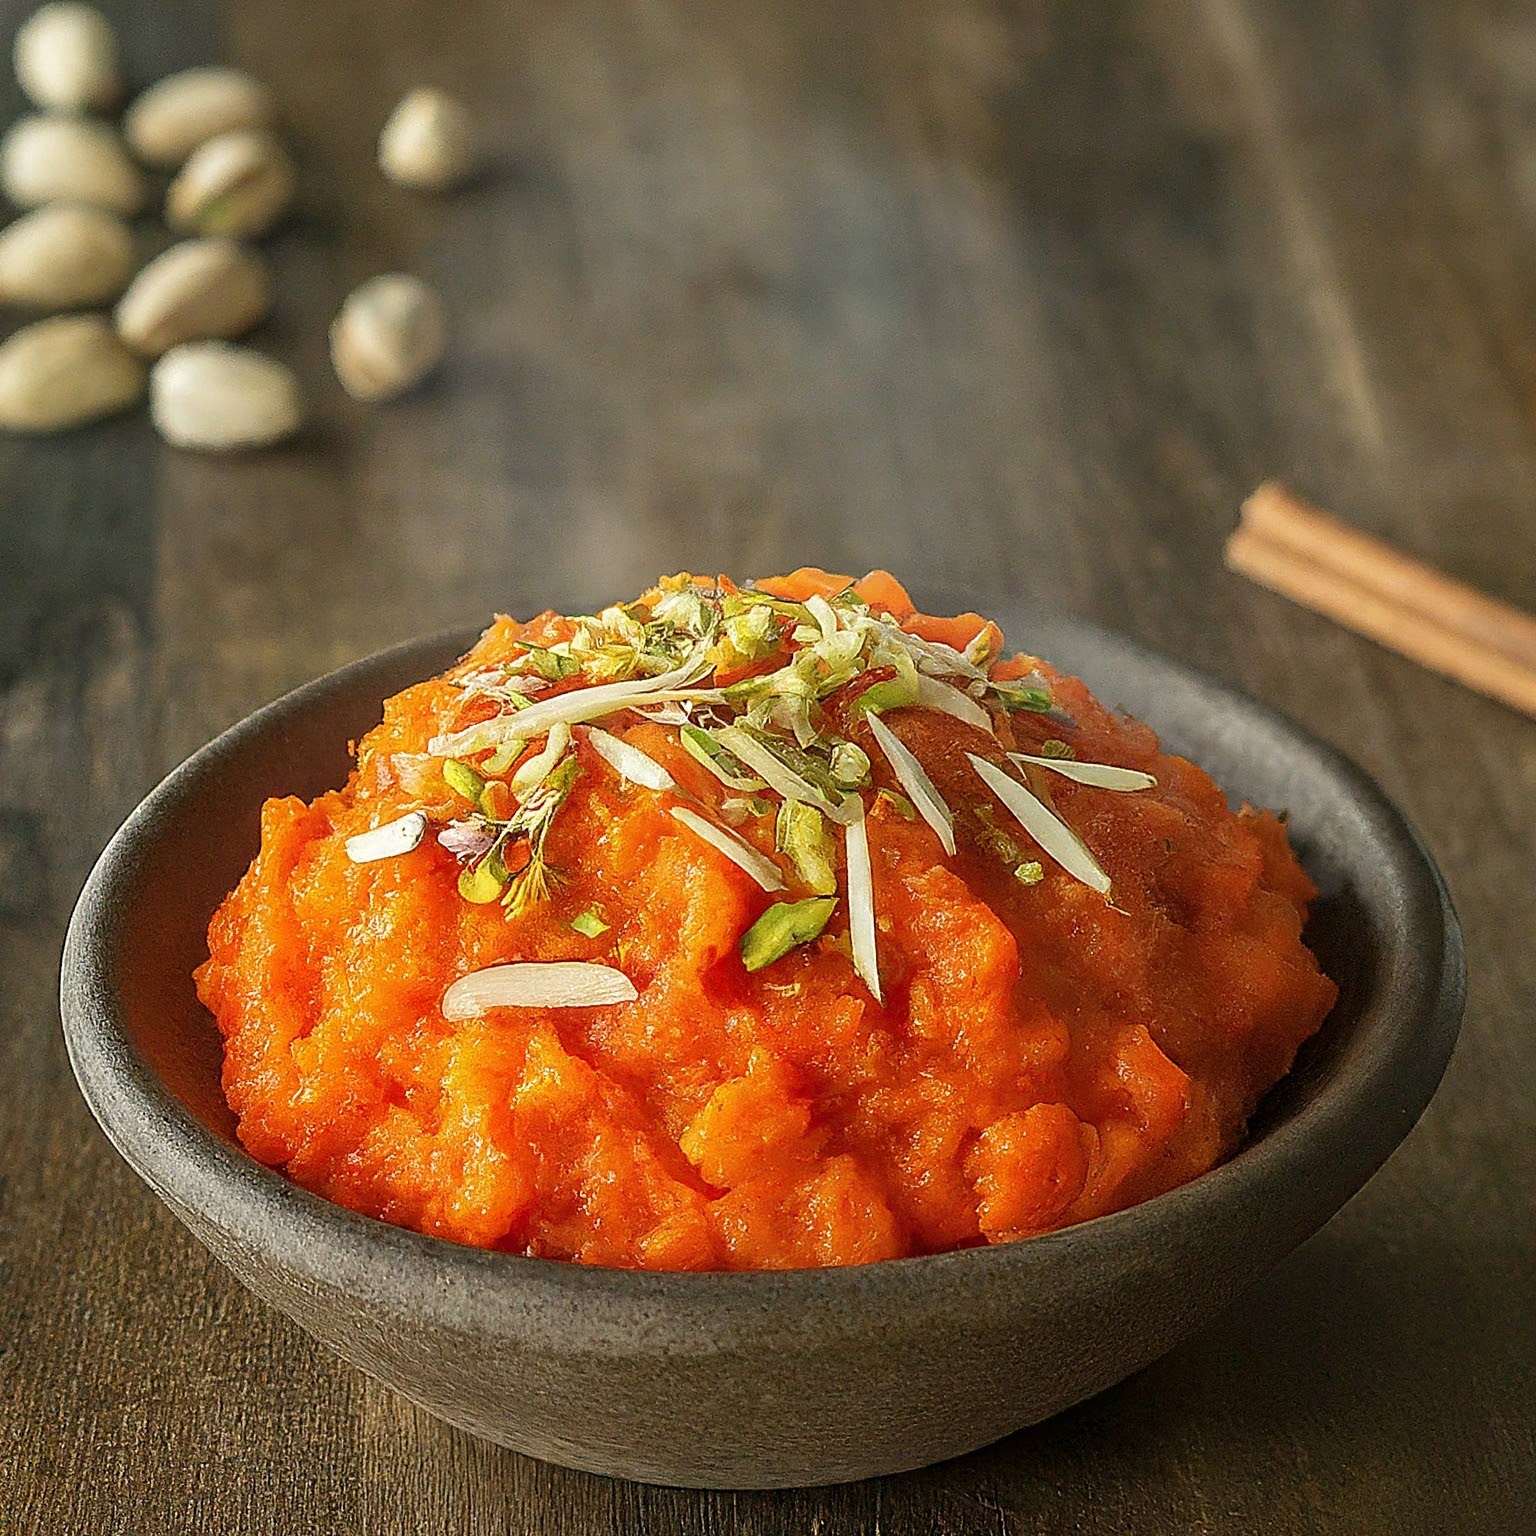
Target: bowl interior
(1382, 927)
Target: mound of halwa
(759, 927)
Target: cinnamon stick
(1366, 585)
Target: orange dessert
(751, 928)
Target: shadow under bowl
(763, 1380)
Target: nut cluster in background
(232, 182)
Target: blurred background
(1007, 296)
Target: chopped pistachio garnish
(782, 927)
(850, 765)
(822, 612)
(794, 774)
(1020, 695)
(751, 634)
(681, 610)
(895, 692)
(801, 832)
(463, 780)
(982, 651)
(992, 837)
(725, 767)
(774, 739)
(549, 664)
(484, 882)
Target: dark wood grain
(1020, 296)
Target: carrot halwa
(761, 927)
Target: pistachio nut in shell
(199, 289)
(388, 337)
(66, 58)
(236, 184)
(172, 117)
(215, 397)
(64, 256)
(429, 142)
(64, 371)
(50, 158)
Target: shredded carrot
(1040, 1056)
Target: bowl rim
(195, 1171)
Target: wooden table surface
(1022, 296)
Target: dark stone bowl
(762, 1380)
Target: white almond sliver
(740, 852)
(574, 707)
(1099, 775)
(539, 767)
(389, 841)
(672, 713)
(939, 660)
(1052, 834)
(537, 984)
(919, 787)
(932, 694)
(779, 775)
(630, 762)
(861, 905)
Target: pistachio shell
(66, 58)
(50, 159)
(170, 119)
(389, 335)
(65, 255)
(196, 290)
(428, 142)
(64, 371)
(236, 184)
(216, 397)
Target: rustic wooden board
(1020, 296)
